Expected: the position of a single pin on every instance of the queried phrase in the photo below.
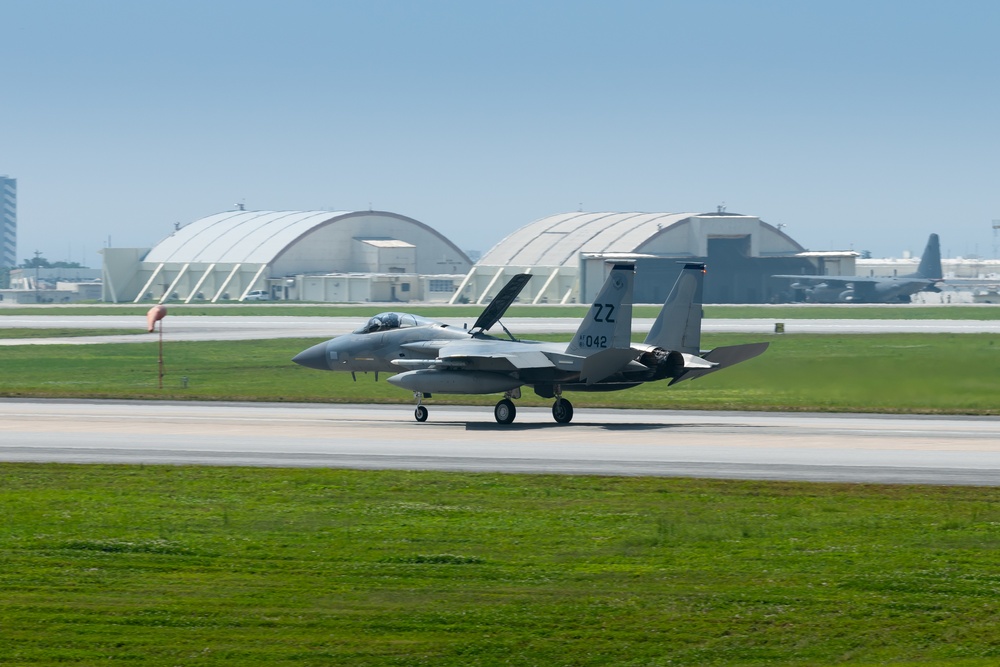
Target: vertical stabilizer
(930, 261)
(608, 324)
(604, 338)
(678, 326)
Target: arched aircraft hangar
(569, 253)
(348, 256)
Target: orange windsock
(155, 314)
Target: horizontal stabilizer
(692, 361)
(723, 357)
(600, 365)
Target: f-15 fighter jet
(431, 357)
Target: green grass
(230, 566)
(906, 373)
(362, 312)
(61, 333)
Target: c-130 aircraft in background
(434, 358)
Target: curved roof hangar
(559, 239)
(258, 237)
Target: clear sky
(857, 124)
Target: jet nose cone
(314, 357)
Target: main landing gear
(562, 410)
(505, 410)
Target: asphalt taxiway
(725, 445)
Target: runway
(724, 445)
(215, 327)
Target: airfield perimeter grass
(62, 333)
(903, 373)
(234, 566)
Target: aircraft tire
(505, 411)
(420, 414)
(562, 411)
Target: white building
(349, 256)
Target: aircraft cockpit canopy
(389, 321)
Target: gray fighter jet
(431, 357)
(874, 289)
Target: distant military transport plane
(874, 289)
(431, 357)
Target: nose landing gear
(505, 411)
(420, 414)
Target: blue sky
(863, 125)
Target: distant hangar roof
(257, 237)
(238, 236)
(559, 239)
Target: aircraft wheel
(562, 411)
(505, 411)
(420, 413)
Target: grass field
(62, 333)
(228, 566)
(919, 373)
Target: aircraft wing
(501, 302)
(835, 281)
(480, 355)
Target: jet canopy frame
(390, 320)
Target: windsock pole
(156, 314)
(161, 354)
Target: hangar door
(733, 275)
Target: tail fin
(604, 338)
(930, 261)
(678, 326)
(608, 324)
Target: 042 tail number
(602, 313)
(593, 341)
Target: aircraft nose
(313, 357)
